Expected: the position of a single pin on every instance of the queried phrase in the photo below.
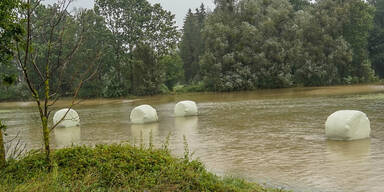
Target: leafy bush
(198, 87)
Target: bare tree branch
(37, 68)
(11, 140)
(15, 148)
(78, 89)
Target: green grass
(197, 87)
(115, 168)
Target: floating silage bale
(347, 125)
(72, 119)
(144, 114)
(186, 108)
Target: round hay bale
(186, 108)
(143, 114)
(347, 125)
(72, 119)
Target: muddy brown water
(274, 137)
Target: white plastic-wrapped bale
(72, 119)
(143, 114)
(186, 108)
(347, 125)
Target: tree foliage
(44, 56)
(131, 24)
(148, 71)
(376, 39)
(300, 4)
(10, 28)
(240, 45)
(174, 72)
(10, 31)
(279, 43)
(192, 44)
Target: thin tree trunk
(46, 140)
(2, 149)
(45, 116)
(131, 68)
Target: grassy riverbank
(115, 168)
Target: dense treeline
(192, 44)
(279, 43)
(131, 43)
(240, 45)
(376, 38)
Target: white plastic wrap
(143, 114)
(72, 119)
(347, 125)
(186, 108)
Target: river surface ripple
(271, 136)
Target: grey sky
(177, 7)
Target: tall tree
(48, 47)
(192, 44)
(132, 23)
(188, 49)
(376, 39)
(246, 53)
(324, 56)
(97, 37)
(356, 31)
(174, 72)
(151, 73)
(125, 19)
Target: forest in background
(240, 45)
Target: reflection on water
(186, 123)
(271, 136)
(186, 126)
(350, 160)
(67, 136)
(144, 132)
(341, 151)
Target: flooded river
(271, 136)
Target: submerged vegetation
(115, 168)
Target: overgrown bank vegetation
(240, 45)
(115, 168)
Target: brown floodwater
(274, 137)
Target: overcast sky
(177, 7)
